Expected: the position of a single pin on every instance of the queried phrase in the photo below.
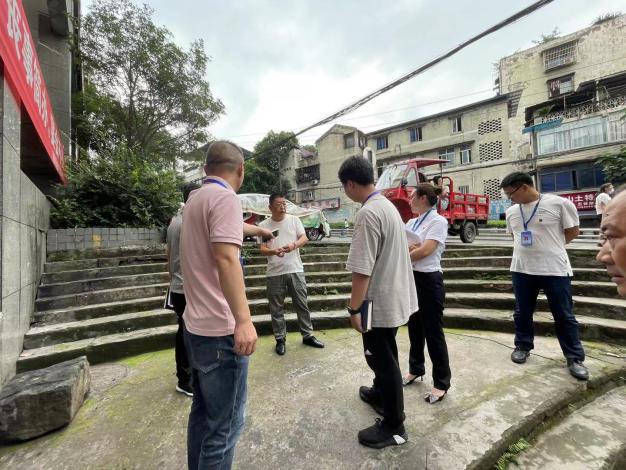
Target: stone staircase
(107, 304)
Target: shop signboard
(23, 74)
(583, 200)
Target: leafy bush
(122, 190)
(614, 167)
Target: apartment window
(382, 142)
(560, 86)
(463, 189)
(617, 127)
(447, 154)
(415, 134)
(466, 154)
(559, 56)
(572, 135)
(348, 141)
(573, 177)
(308, 173)
(456, 125)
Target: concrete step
(99, 273)
(306, 258)
(47, 335)
(313, 289)
(579, 288)
(74, 265)
(590, 306)
(77, 287)
(503, 273)
(591, 437)
(484, 319)
(100, 297)
(114, 346)
(256, 269)
(505, 261)
(138, 250)
(591, 328)
(88, 312)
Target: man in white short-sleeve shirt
(381, 273)
(541, 225)
(603, 197)
(285, 273)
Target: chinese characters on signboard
(584, 201)
(23, 72)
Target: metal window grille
(558, 56)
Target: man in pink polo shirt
(219, 334)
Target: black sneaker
(577, 369)
(186, 389)
(519, 355)
(370, 397)
(281, 347)
(381, 435)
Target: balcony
(308, 174)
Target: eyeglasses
(508, 195)
(280, 204)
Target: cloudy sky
(282, 65)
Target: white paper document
(412, 237)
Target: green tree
(119, 189)
(264, 169)
(614, 167)
(555, 34)
(142, 90)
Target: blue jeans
(558, 290)
(216, 419)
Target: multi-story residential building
(471, 138)
(572, 92)
(313, 176)
(559, 108)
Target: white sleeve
(569, 214)
(299, 227)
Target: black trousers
(381, 354)
(182, 362)
(426, 325)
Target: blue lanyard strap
(421, 220)
(371, 196)
(211, 180)
(524, 221)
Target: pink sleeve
(226, 219)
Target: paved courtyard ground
(304, 410)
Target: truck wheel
(313, 234)
(468, 232)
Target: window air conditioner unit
(315, 182)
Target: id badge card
(527, 238)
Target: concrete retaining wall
(24, 216)
(98, 237)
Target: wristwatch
(353, 311)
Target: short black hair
(357, 169)
(604, 186)
(187, 188)
(275, 196)
(516, 179)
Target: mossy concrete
(304, 410)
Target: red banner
(584, 200)
(23, 73)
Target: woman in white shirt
(429, 231)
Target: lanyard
(211, 180)
(417, 225)
(524, 221)
(371, 196)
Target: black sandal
(406, 382)
(431, 398)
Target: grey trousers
(277, 288)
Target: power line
(360, 102)
(387, 123)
